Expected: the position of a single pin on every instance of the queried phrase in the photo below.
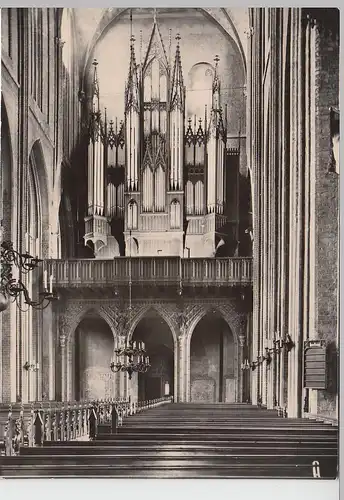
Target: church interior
(169, 210)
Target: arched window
(69, 132)
(37, 55)
(33, 230)
(175, 214)
(66, 36)
(132, 214)
(199, 90)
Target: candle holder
(31, 367)
(137, 361)
(267, 356)
(245, 365)
(12, 287)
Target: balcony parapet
(234, 271)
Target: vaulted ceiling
(90, 24)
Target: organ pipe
(120, 199)
(159, 194)
(111, 200)
(220, 180)
(96, 176)
(132, 136)
(199, 199)
(147, 192)
(189, 198)
(211, 181)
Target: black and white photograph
(169, 243)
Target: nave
(176, 440)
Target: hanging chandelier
(10, 287)
(137, 361)
(134, 353)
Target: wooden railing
(160, 270)
(32, 424)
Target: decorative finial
(131, 22)
(169, 44)
(141, 43)
(178, 38)
(216, 59)
(95, 63)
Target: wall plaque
(315, 364)
(203, 391)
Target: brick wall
(327, 197)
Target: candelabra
(12, 287)
(31, 367)
(137, 361)
(279, 344)
(245, 365)
(135, 351)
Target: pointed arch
(175, 214)
(83, 313)
(39, 182)
(164, 315)
(100, 313)
(132, 214)
(235, 324)
(229, 22)
(6, 173)
(231, 318)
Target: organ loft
(157, 177)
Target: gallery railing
(162, 270)
(33, 424)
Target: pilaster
(63, 364)
(241, 354)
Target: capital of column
(242, 339)
(59, 42)
(63, 340)
(249, 32)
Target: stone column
(296, 263)
(271, 377)
(176, 381)
(182, 368)
(63, 358)
(123, 383)
(241, 372)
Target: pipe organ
(157, 171)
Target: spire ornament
(177, 87)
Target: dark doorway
(158, 339)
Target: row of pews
(175, 440)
